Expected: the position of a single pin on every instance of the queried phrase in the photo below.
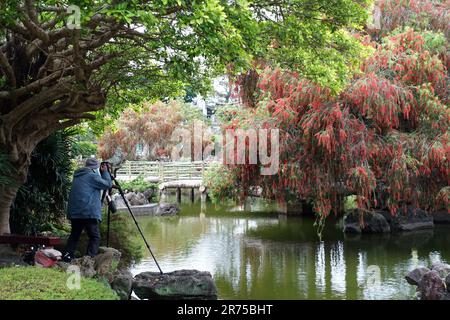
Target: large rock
(106, 262)
(442, 269)
(416, 275)
(102, 265)
(442, 216)
(373, 222)
(122, 284)
(167, 209)
(181, 284)
(432, 287)
(409, 220)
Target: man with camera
(85, 207)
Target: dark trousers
(92, 229)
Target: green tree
(60, 63)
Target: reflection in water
(258, 256)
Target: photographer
(85, 208)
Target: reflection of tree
(320, 270)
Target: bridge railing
(162, 171)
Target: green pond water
(266, 256)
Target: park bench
(32, 240)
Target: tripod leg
(107, 228)
(137, 226)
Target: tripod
(112, 209)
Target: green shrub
(123, 236)
(138, 185)
(350, 203)
(33, 283)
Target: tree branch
(33, 27)
(33, 86)
(31, 10)
(8, 70)
(34, 103)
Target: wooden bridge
(169, 175)
(162, 172)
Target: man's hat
(92, 163)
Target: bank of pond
(265, 255)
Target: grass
(34, 283)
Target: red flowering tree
(147, 131)
(384, 138)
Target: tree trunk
(7, 197)
(19, 149)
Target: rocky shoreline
(358, 221)
(433, 283)
(180, 284)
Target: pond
(266, 256)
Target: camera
(108, 166)
(111, 205)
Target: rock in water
(442, 269)
(442, 216)
(447, 282)
(431, 286)
(374, 222)
(167, 209)
(412, 219)
(180, 284)
(416, 275)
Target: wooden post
(192, 195)
(179, 195)
(129, 169)
(203, 169)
